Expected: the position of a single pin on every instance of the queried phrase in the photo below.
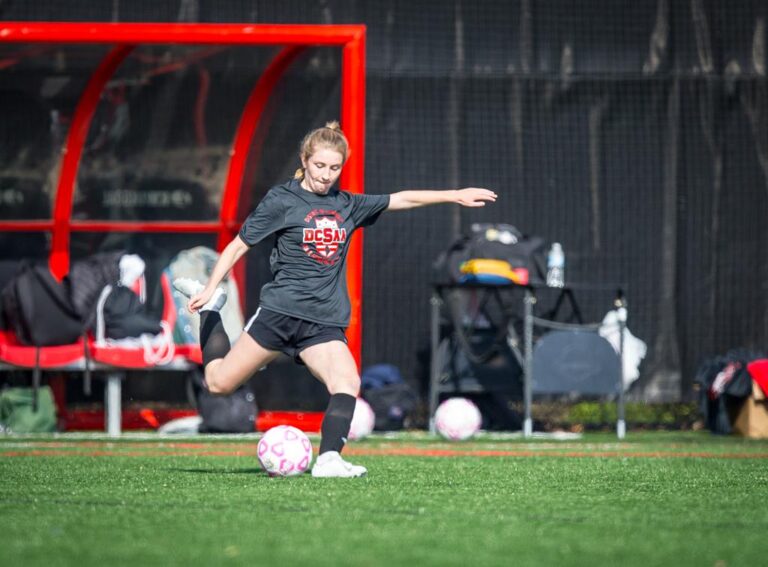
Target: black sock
(214, 341)
(336, 423)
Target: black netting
(635, 133)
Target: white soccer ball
(284, 451)
(363, 420)
(457, 419)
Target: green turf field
(653, 499)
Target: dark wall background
(635, 133)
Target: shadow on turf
(259, 471)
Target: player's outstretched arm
(229, 256)
(469, 197)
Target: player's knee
(346, 384)
(217, 386)
(218, 390)
(352, 382)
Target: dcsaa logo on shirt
(322, 240)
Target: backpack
(492, 253)
(87, 279)
(38, 309)
(391, 399)
(124, 315)
(27, 410)
(122, 321)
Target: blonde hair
(329, 137)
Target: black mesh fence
(635, 133)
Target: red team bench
(89, 355)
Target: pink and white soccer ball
(457, 419)
(363, 420)
(284, 451)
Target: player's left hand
(474, 197)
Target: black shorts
(290, 335)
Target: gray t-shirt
(309, 258)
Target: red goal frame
(125, 37)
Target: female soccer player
(305, 309)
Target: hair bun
(329, 137)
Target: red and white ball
(363, 420)
(284, 451)
(457, 419)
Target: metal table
(530, 320)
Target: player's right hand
(197, 301)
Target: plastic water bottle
(556, 266)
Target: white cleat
(191, 288)
(331, 465)
(188, 286)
